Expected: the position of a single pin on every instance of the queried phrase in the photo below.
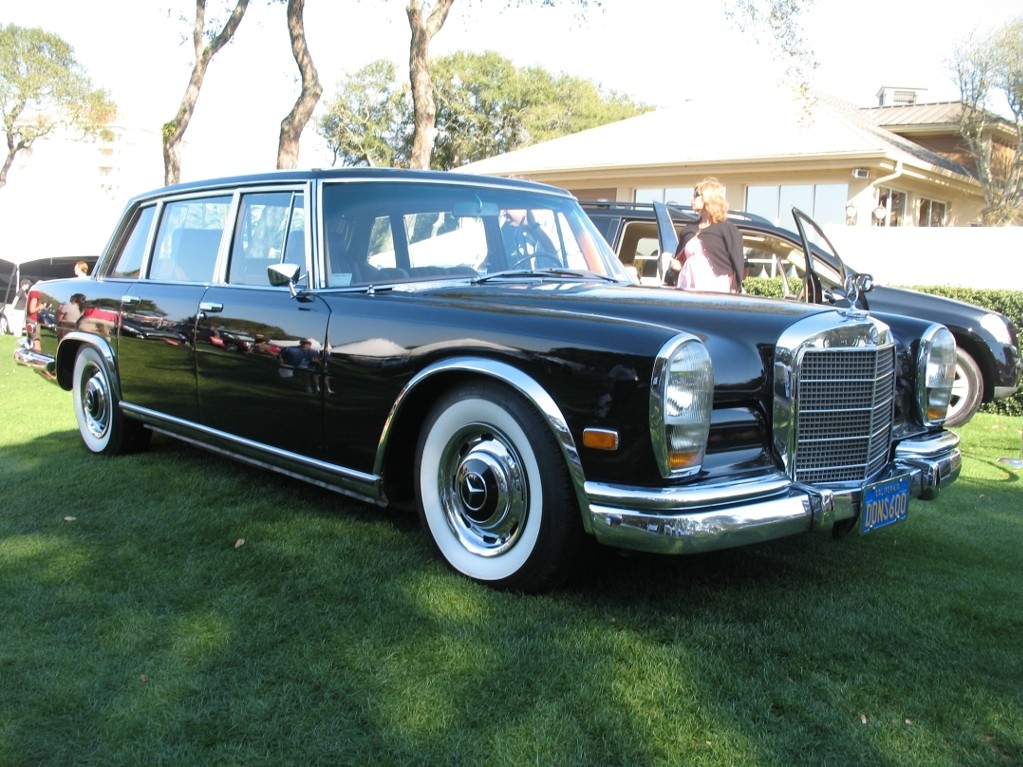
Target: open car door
(826, 280)
(667, 238)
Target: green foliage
(177, 608)
(988, 70)
(42, 88)
(369, 121)
(485, 106)
(771, 287)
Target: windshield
(387, 232)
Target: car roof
(350, 174)
(685, 212)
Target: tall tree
(485, 106)
(777, 23)
(206, 44)
(779, 17)
(988, 67)
(296, 120)
(43, 88)
(424, 24)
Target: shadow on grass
(197, 610)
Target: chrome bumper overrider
(25, 355)
(729, 513)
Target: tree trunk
(296, 120)
(423, 107)
(174, 131)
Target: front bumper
(730, 513)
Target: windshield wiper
(578, 274)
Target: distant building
(898, 164)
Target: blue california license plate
(884, 503)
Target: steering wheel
(541, 260)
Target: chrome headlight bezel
(681, 402)
(935, 373)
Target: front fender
(528, 387)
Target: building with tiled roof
(883, 166)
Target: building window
(673, 194)
(825, 203)
(891, 207)
(931, 213)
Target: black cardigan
(722, 243)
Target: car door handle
(208, 306)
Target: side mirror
(280, 275)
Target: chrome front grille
(834, 397)
(845, 403)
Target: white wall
(974, 257)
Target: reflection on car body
(371, 331)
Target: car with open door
(987, 345)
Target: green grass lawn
(176, 608)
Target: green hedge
(1007, 302)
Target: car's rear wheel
(493, 490)
(101, 423)
(967, 390)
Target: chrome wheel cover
(96, 401)
(484, 491)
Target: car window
(188, 239)
(771, 256)
(398, 232)
(768, 256)
(128, 263)
(270, 230)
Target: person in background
(16, 313)
(709, 255)
(81, 269)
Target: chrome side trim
(519, 381)
(359, 485)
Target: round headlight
(936, 367)
(681, 399)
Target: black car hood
(740, 332)
(704, 314)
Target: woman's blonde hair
(713, 193)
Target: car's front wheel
(967, 390)
(493, 490)
(101, 423)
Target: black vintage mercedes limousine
(471, 348)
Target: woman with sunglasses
(709, 255)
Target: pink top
(697, 273)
